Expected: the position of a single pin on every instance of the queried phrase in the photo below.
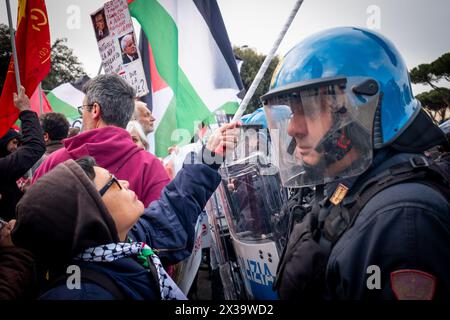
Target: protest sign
(117, 44)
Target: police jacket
(398, 247)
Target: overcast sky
(419, 29)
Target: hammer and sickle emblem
(39, 18)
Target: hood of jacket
(61, 215)
(9, 135)
(422, 134)
(110, 146)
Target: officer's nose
(297, 125)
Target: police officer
(379, 224)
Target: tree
(65, 66)
(250, 67)
(437, 101)
(433, 101)
(5, 52)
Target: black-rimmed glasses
(80, 108)
(112, 180)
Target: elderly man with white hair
(128, 48)
(144, 116)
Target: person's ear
(46, 137)
(96, 111)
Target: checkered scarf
(145, 255)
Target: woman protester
(79, 217)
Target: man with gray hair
(107, 107)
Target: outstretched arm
(168, 224)
(15, 165)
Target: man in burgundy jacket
(106, 110)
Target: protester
(16, 267)
(9, 142)
(56, 128)
(137, 134)
(107, 108)
(379, 227)
(15, 160)
(73, 131)
(81, 215)
(144, 116)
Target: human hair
(87, 164)
(115, 97)
(55, 124)
(137, 114)
(100, 13)
(123, 42)
(135, 125)
(73, 132)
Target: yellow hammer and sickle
(40, 22)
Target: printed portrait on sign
(100, 25)
(128, 48)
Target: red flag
(33, 55)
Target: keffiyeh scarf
(145, 255)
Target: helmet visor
(327, 135)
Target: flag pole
(41, 108)
(265, 65)
(100, 69)
(13, 45)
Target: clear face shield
(252, 188)
(328, 134)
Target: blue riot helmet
(258, 120)
(349, 92)
(253, 136)
(256, 117)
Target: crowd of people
(99, 190)
(349, 129)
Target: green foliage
(422, 74)
(432, 99)
(428, 73)
(65, 66)
(5, 52)
(438, 99)
(250, 67)
(441, 67)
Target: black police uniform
(404, 227)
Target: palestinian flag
(67, 97)
(192, 66)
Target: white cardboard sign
(117, 44)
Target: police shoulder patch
(339, 194)
(409, 284)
